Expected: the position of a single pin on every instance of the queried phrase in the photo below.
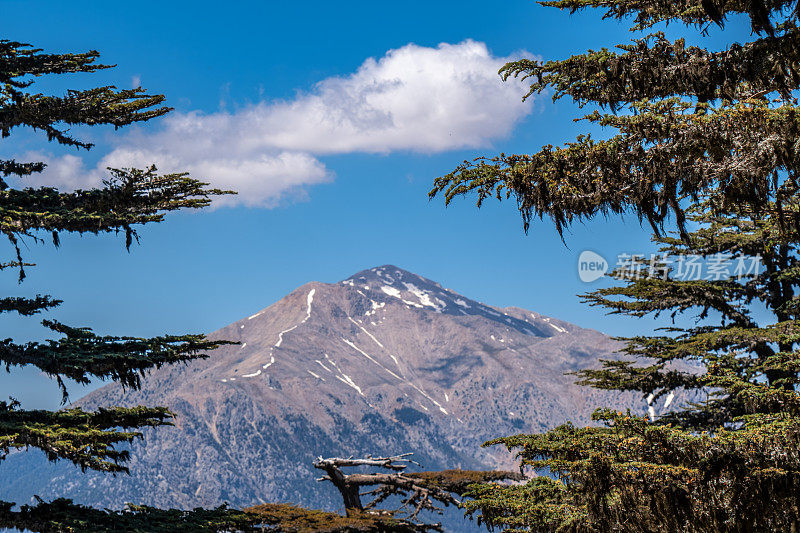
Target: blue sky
(334, 153)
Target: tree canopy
(686, 120)
(725, 458)
(127, 199)
(707, 140)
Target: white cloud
(412, 99)
(261, 180)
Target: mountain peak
(389, 283)
(389, 274)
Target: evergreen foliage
(711, 139)
(127, 199)
(63, 516)
(284, 518)
(693, 120)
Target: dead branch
(415, 495)
(418, 491)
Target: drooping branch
(10, 167)
(87, 439)
(81, 354)
(102, 105)
(20, 60)
(664, 155)
(27, 306)
(615, 78)
(129, 198)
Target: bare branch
(415, 495)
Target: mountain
(384, 362)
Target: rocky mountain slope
(383, 362)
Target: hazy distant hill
(383, 362)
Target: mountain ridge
(382, 362)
